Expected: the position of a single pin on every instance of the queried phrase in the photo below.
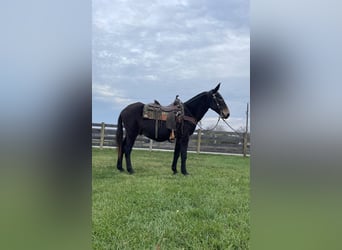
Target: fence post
(245, 135)
(102, 134)
(199, 134)
(151, 143)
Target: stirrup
(172, 137)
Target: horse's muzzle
(225, 113)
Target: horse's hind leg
(128, 149)
(119, 162)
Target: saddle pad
(154, 112)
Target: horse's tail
(119, 136)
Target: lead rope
(200, 125)
(236, 132)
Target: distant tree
(241, 129)
(217, 128)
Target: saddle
(169, 114)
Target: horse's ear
(217, 88)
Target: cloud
(107, 93)
(169, 47)
(178, 35)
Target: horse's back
(133, 109)
(131, 115)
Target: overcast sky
(145, 50)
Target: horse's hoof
(175, 172)
(131, 171)
(185, 173)
(121, 169)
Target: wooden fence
(103, 135)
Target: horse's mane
(195, 98)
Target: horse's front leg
(176, 156)
(184, 152)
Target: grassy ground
(153, 209)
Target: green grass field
(154, 209)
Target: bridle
(217, 104)
(195, 122)
(219, 117)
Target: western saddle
(170, 114)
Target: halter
(217, 104)
(218, 119)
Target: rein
(236, 132)
(200, 126)
(218, 120)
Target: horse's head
(217, 103)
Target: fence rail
(201, 140)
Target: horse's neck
(198, 107)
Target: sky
(146, 50)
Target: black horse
(194, 109)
